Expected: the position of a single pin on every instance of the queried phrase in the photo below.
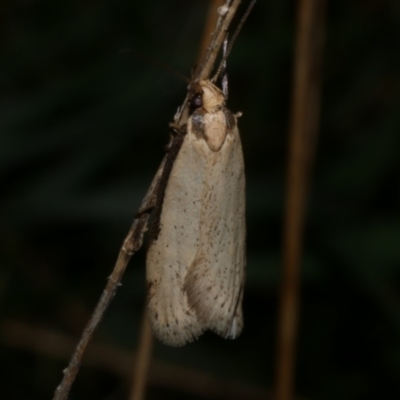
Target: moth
(195, 266)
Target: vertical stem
(142, 361)
(302, 139)
(212, 17)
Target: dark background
(82, 133)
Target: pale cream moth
(195, 267)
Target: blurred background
(83, 126)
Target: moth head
(206, 96)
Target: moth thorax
(212, 97)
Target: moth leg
(225, 86)
(176, 134)
(224, 76)
(148, 207)
(177, 129)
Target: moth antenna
(225, 86)
(235, 35)
(157, 63)
(222, 65)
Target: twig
(226, 14)
(131, 244)
(303, 134)
(232, 40)
(134, 239)
(142, 363)
(193, 383)
(211, 21)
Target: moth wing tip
(177, 340)
(176, 335)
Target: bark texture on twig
(212, 17)
(134, 238)
(302, 141)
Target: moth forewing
(196, 264)
(216, 276)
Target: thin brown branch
(132, 243)
(303, 134)
(134, 238)
(142, 362)
(209, 27)
(232, 40)
(226, 14)
(45, 342)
